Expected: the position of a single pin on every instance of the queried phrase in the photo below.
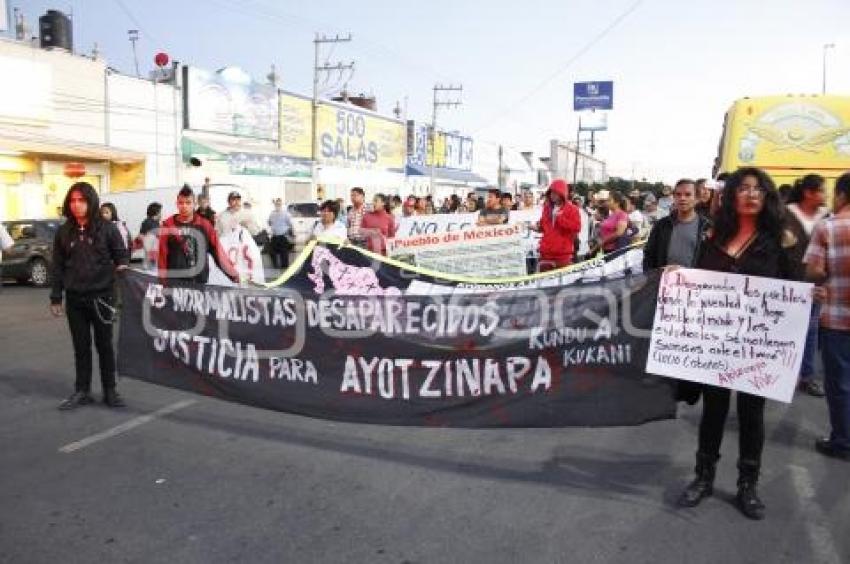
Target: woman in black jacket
(748, 238)
(86, 253)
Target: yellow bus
(787, 136)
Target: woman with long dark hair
(109, 212)
(805, 205)
(613, 230)
(748, 238)
(86, 253)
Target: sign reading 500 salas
(350, 138)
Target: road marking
(124, 427)
(814, 519)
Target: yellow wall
(126, 177)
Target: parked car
(304, 217)
(29, 259)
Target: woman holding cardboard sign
(748, 238)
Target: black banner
(533, 357)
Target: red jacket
(183, 250)
(558, 242)
(382, 222)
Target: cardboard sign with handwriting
(746, 333)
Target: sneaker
(75, 400)
(827, 448)
(811, 387)
(112, 399)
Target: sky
(677, 66)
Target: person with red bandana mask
(87, 252)
(560, 224)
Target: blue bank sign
(593, 95)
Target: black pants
(750, 421)
(279, 251)
(87, 315)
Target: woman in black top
(748, 238)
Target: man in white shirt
(328, 224)
(280, 224)
(229, 219)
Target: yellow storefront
(35, 179)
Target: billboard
(296, 127)
(351, 138)
(593, 95)
(230, 101)
(454, 150)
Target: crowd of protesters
(739, 224)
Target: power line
(583, 50)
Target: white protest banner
(435, 223)
(746, 333)
(483, 252)
(524, 218)
(243, 253)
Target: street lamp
(826, 47)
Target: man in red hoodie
(560, 223)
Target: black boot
(703, 484)
(75, 400)
(112, 399)
(747, 499)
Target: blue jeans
(807, 367)
(835, 348)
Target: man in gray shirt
(676, 239)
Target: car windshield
(18, 231)
(304, 210)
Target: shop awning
(74, 149)
(446, 174)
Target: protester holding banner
(677, 238)
(87, 251)
(560, 224)
(328, 223)
(185, 240)
(378, 225)
(229, 219)
(748, 238)
(493, 213)
(827, 262)
(805, 206)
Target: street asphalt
(177, 477)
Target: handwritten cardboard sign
(746, 333)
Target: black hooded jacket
(84, 259)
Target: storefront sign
(296, 126)
(350, 138)
(267, 165)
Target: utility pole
(317, 70)
(439, 88)
(578, 145)
(825, 49)
(133, 34)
